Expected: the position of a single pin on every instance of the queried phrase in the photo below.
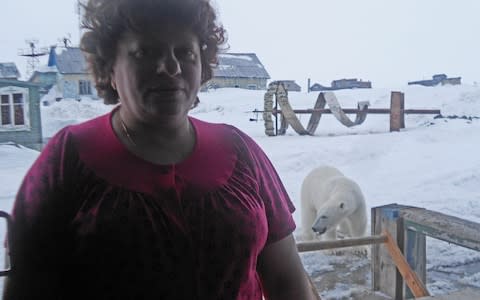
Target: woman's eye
(141, 53)
(187, 54)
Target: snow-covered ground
(432, 163)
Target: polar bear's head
(338, 207)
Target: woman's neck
(166, 143)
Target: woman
(146, 202)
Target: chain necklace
(125, 131)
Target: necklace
(125, 130)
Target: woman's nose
(168, 64)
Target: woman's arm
(282, 274)
(37, 244)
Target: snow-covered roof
(9, 71)
(72, 61)
(246, 65)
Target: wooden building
(291, 85)
(68, 70)
(9, 71)
(20, 119)
(239, 70)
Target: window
(84, 87)
(13, 107)
(18, 111)
(252, 86)
(5, 108)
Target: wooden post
(397, 111)
(416, 285)
(385, 276)
(415, 251)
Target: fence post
(397, 111)
(385, 276)
(415, 252)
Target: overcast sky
(388, 42)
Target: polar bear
(331, 203)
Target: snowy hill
(432, 163)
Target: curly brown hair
(106, 21)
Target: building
(69, 71)
(290, 85)
(239, 70)
(340, 84)
(351, 84)
(9, 70)
(20, 120)
(438, 79)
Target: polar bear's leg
(329, 235)
(345, 229)
(308, 218)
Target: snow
(244, 57)
(432, 163)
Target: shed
(239, 70)
(20, 117)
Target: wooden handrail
(322, 245)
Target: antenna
(66, 40)
(32, 54)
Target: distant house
(340, 84)
(290, 85)
(239, 70)
(9, 71)
(20, 113)
(438, 79)
(46, 77)
(68, 70)
(351, 84)
(316, 87)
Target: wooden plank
(322, 245)
(409, 276)
(415, 252)
(385, 276)
(444, 227)
(397, 107)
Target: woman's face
(157, 73)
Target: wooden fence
(281, 109)
(399, 246)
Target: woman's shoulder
(226, 134)
(91, 128)
(78, 138)
(219, 130)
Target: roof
(288, 82)
(72, 61)
(9, 71)
(4, 82)
(246, 65)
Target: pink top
(102, 223)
